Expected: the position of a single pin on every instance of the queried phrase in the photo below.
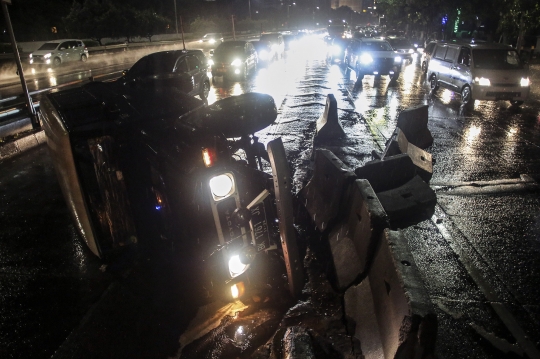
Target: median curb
(21, 144)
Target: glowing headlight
(482, 81)
(416, 45)
(411, 51)
(30, 56)
(236, 62)
(221, 186)
(525, 82)
(46, 56)
(397, 59)
(210, 62)
(263, 54)
(212, 41)
(366, 59)
(236, 267)
(336, 50)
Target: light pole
(249, 7)
(175, 18)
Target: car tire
(394, 77)
(57, 61)
(516, 103)
(359, 75)
(433, 84)
(205, 90)
(424, 67)
(84, 58)
(466, 97)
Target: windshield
(49, 46)
(154, 64)
(496, 59)
(400, 43)
(211, 35)
(376, 46)
(269, 37)
(230, 47)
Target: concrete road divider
(328, 125)
(19, 145)
(354, 239)
(414, 201)
(413, 121)
(390, 309)
(388, 173)
(423, 160)
(325, 192)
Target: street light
(175, 18)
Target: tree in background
(518, 18)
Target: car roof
(478, 45)
(59, 41)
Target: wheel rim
(433, 83)
(56, 61)
(83, 58)
(206, 89)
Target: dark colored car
(161, 170)
(234, 59)
(404, 47)
(276, 43)
(186, 70)
(264, 51)
(370, 56)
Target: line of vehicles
(475, 70)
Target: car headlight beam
(397, 59)
(222, 186)
(236, 62)
(366, 59)
(525, 82)
(46, 56)
(482, 81)
(236, 267)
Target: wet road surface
(478, 255)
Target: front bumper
(226, 70)
(500, 92)
(40, 61)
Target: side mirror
(124, 72)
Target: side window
(193, 62)
(429, 48)
(79, 44)
(181, 65)
(464, 56)
(440, 51)
(63, 46)
(450, 54)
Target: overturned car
(154, 165)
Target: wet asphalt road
(478, 255)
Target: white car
(212, 38)
(59, 51)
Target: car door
(450, 59)
(462, 69)
(195, 71)
(183, 79)
(439, 66)
(63, 51)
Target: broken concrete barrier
(354, 239)
(399, 318)
(388, 173)
(421, 159)
(324, 193)
(328, 125)
(413, 201)
(413, 121)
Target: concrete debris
(413, 122)
(324, 193)
(388, 173)
(328, 125)
(352, 242)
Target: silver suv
(59, 51)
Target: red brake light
(209, 156)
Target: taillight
(209, 156)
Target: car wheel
(424, 67)
(205, 90)
(466, 97)
(433, 83)
(84, 58)
(57, 61)
(359, 76)
(394, 77)
(516, 103)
